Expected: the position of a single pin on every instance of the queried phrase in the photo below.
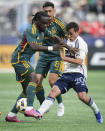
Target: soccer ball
(21, 105)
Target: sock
(59, 99)
(30, 93)
(93, 106)
(14, 109)
(46, 105)
(60, 104)
(11, 114)
(28, 108)
(40, 95)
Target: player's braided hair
(38, 16)
(72, 25)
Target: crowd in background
(90, 14)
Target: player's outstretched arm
(59, 41)
(37, 47)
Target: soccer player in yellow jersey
(25, 74)
(50, 61)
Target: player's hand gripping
(58, 46)
(62, 44)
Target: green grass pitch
(77, 117)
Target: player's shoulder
(82, 43)
(59, 22)
(81, 40)
(32, 29)
(58, 19)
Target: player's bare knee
(54, 92)
(39, 82)
(33, 77)
(51, 82)
(52, 79)
(82, 96)
(39, 79)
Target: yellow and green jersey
(57, 27)
(23, 52)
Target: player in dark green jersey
(50, 61)
(25, 74)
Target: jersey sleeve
(61, 27)
(31, 35)
(62, 31)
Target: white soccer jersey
(83, 50)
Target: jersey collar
(52, 21)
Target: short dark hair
(38, 16)
(47, 4)
(72, 25)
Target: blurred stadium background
(90, 14)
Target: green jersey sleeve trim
(34, 29)
(60, 23)
(31, 34)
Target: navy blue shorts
(72, 80)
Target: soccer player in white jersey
(74, 75)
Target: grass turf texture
(77, 117)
